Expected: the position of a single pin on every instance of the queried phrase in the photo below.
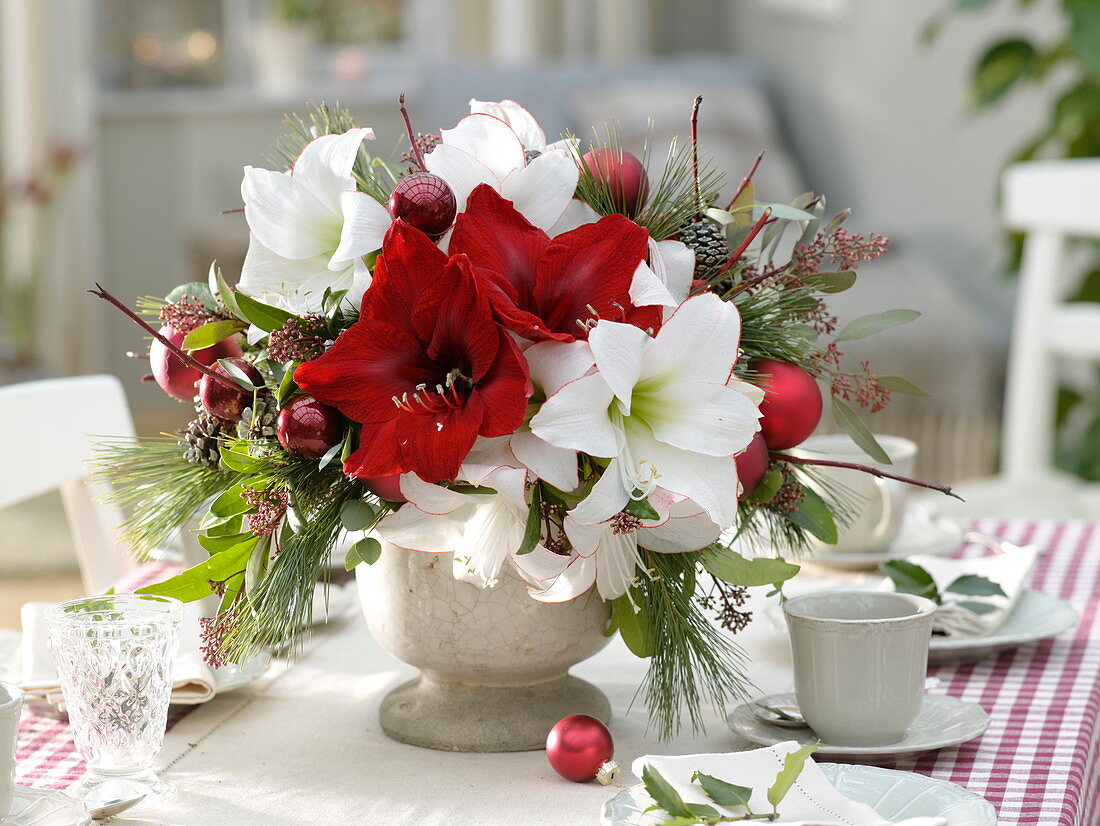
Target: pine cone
(709, 242)
(202, 440)
(259, 423)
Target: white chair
(54, 421)
(1051, 202)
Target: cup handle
(886, 509)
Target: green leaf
(231, 525)
(782, 211)
(210, 334)
(663, 794)
(356, 515)
(702, 810)
(241, 462)
(217, 544)
(331, 300)
(973, 585)
(232, 501)
(237, 374)
(910, 578)
(532, 530)
(721, 792)
(257, 562)
(868, 325)
(287, 388)
(641, 508)
(633, 627)
(194, 289)
(1085, 32)
(767, 489)
(194, 583)
(901, 385)
(224, 293)
(729, 566)
(814, 515)
(332, 453)
(264, 316)
(976, 607)
(367, 550)
(1001, 67)
(793, 764)
(849, 420)
(833, 282)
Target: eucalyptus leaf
(973, 585)
(901, 385)
(976, 607)
(193, 289)
(210, 334)
(330, 454)
(833, 282)
(367, 550)
(663, 793)
(793, 763)
(721, 792)
(814, 515)
(357, 515)
(1002, 66)
(194, 583)
(910, 578)
(532, 529)
(264, 316)
(633, 627)
(783, 212)
(730, 566)
(868, 325)
(767, 489)
(849, 420)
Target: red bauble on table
(752, 464)
(579, 748)
(792, 403)
(309, 429)
(177, 379)
(622, 174)
(224, 401)
(425, 201)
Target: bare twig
(800, 460)
(412, 137)
(695, 155)
(745, 181)
(737, 253)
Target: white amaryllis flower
(522, 122)
(310, 227)
(483, 149)
(607, 553)
(483, 529)
(665, 410)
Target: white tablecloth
(303, 746)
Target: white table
(303, 745)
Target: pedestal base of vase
(456, 717)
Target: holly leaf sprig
(722, 793)
(910, 578)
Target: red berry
(309, 429)
(176, 378)
(623, 176)
(425, 201)
(385, 487)
(792, 403)
(224, 401)
(752, 464)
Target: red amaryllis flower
(426, 369)
(545, 288)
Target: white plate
(919, 534)
(894, 795)
(39, 807)
(943, 721)
(1036, 616)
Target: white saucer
(39, 807)
(894, 795)
(1035, 616)
(943, 721)
(919, 534)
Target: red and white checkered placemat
(46, 757)
(1037, 762)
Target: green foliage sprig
(910, 578)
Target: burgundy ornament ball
(752, 464)
(309, 429)
(176, 378)
(385, 487)
(225, 402)
(792, 403)
(579, 748)
(424, 201)
(622, 174)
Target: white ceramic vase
(493, 662)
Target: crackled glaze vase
(493, 662)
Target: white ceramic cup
(878, 506)
(859, 662)
(11, 702)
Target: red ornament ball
(176, 378)
(424, 201)
(792, 403)
(752, 464)
(578, 747)
(622, 174)
(309, 429)
(385, 487)
(228, 402)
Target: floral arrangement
(525, 352)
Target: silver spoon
(788, 715)
(113, 807)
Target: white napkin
(812, 801)
(1011, 570)
(192, 679)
